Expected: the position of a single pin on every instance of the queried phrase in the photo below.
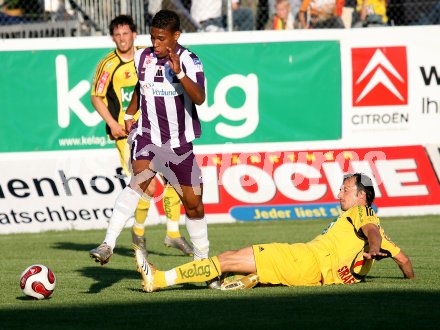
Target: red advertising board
(265, 182)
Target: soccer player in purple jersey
(171, 83)
(115, 78)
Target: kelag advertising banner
(271, 92)
(254, 96)
(46, 100)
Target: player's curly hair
(363, 183)
(167, 20)
(122, 20)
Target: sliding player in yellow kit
(112, 88)
(342, 254)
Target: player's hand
(174, 61)
(129, 124)
(374, 255)
(118, 131)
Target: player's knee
(195, 211)
(193, 206)
(151, 188)
(142, 182)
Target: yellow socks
(195, 271)
(138, 229)
(140, 215)
(171, 205)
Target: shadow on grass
(106, 277)
(231, 310)
(119, 250)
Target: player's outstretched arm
(404, 264)
(374, 241)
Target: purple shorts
(178, 165)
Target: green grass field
(88, 296)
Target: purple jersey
(169, 117)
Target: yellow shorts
(287, 264)
(124, 155)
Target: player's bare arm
(374, 241)
(117, 130)
(132, 108)
(195, 92)
(404, 264)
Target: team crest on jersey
(148, 60)
(127, 74)
(159, 71)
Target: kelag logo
(379, 76)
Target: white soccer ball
(37, 281)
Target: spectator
(208, 13)
(431, 15)
(32, 9)
(348, 11)
(318, 14)
(434, 16)
(152, 8)
(243, 18)
(262, 14)
(6, 19)
(58, 10)
(371, 13)
(295, 5)
(283, 18)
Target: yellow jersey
(339, 249)
(114, 80)
(375, 7)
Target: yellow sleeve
(388, 244)
(103, 74)
(361, 215)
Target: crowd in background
(245, 15)
(305, 14)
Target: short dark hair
(167, 20)
(122, 20)
(363, 183)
